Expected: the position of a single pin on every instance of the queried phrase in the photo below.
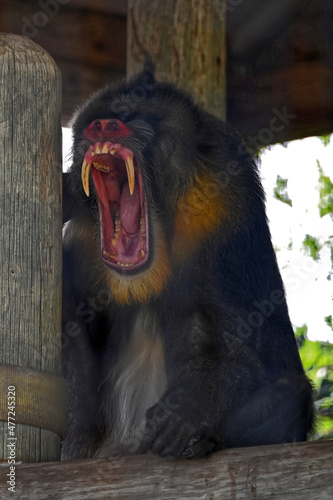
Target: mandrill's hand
(172, 429)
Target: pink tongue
(130, 209)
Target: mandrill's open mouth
(122, 204)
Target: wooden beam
(118, 7)
(186, 40)
(288, 66)
(80, 36)
(282, 472)
(300, 93)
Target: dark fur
(211, 356)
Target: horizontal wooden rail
(282, 472)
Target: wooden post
(186, 40)
(32, 393)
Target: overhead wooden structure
(279, 58)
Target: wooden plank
(30, 233)
(282, 472)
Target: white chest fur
(136, 382)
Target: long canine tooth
(105, 148)
(130, 173)
(85, 176)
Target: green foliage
(301, 332)
(317, 358)
(325, 193)
(328, 321)
(311, 245)
(325, 139)
(280, 191)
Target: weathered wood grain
(30, 225)
(187, 42)
(283, 472)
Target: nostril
(101, 130)
(112, 125)
(97, 125)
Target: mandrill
(177, 338)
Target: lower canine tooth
(130, 173)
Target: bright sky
(66, 146)
(309, 292)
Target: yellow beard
(147, 284)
